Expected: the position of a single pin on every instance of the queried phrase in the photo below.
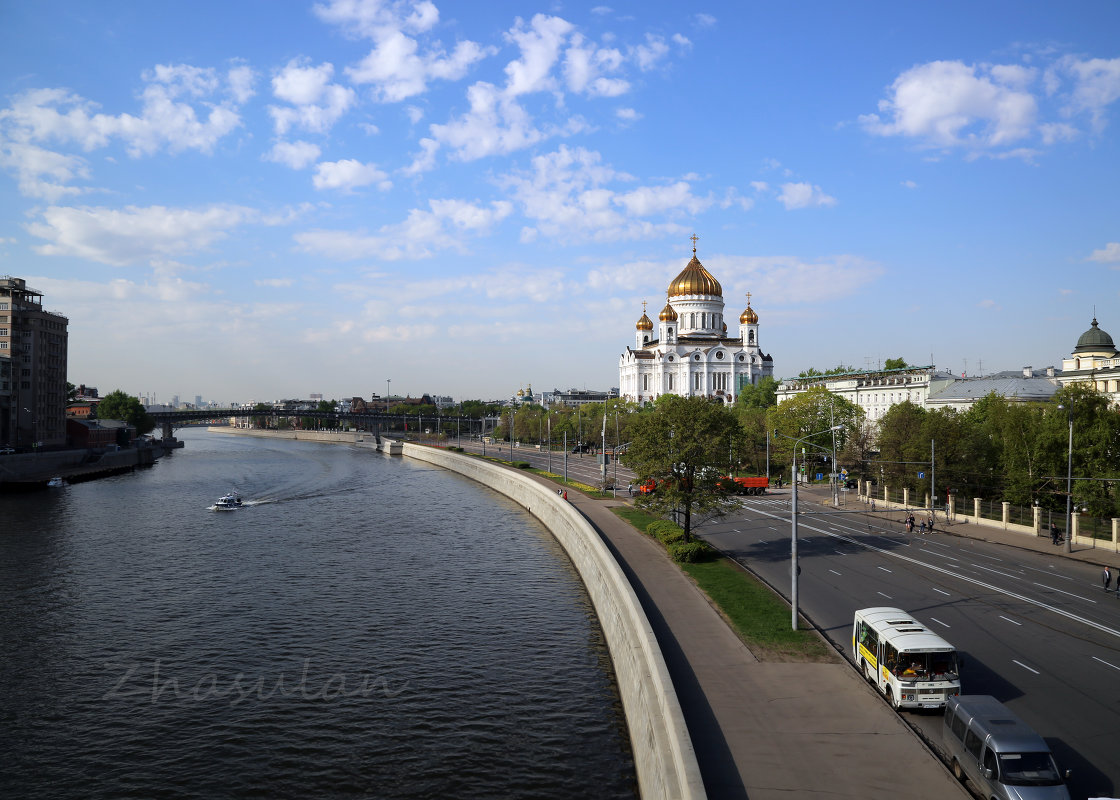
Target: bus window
(890, 658)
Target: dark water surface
(364, 627)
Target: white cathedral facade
(691, 354)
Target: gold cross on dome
(748, 298)
(643, 308)
(694, 239)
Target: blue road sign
(921, 475)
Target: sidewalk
(767, 730)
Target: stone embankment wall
(663, 756)
(338, 437)
(32, 467)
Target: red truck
(750, 485)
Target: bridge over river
(375, 423)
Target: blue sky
(257, 200)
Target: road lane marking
(1024, 666)
(834, 572)
(884, 569)
(941, 591)
(840, 552)
(886, 596)
(1071, 594)
(939, 622)
(997, 572)
(976, 582)
(1106, 663)
(1013, 622)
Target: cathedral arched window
(750, 337)
(645, 339)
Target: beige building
(33, 345)
(875, 391)
(1094, 360)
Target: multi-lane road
(1036, 630)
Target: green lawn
(761, 618)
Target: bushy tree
(811, 414)
(120, 406)
(681, 444)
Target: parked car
(6, 451)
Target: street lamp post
(1069, 482)
(793, 520)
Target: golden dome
(694, 279)
(748, 317)
(644, 324)
(668, 314)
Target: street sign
(921, 475)
(820, 476)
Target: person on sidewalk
(1054, 534)
(1106, 576)
(930, 524)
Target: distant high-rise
(33, 345)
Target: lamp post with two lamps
(793, 518)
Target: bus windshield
(1028, 769)
(928, 666)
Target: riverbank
(30, 471)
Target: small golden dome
(748, 317)
(668, 314)
(694, 279)
(644, 324)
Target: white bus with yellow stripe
(910, 664)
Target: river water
(363, 627)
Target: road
(1035, 630)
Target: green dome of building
(1095, 340)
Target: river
(363, 627)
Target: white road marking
(1013, 622)
(884, 569)
(997, 572)
(887, 596)
(976, 582)
(1071, 594)
(834, 572)
(840, 552)
(941, 591)
(1106, 663)
(1024, 666)
(939, 622)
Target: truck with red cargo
(749, 485)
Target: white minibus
(910, 664)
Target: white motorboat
(228, 502)
(55, 482)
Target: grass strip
(760, 617)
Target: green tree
(758, 395)
(895, 363)
(261, 422)
(681, 444)
(121, 406)
(811, 414)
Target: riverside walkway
(767, 730)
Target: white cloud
(134, 235)
(425, 159)
(316, 103)
(584, 65)
(628, 114)
(760, 186)
(165, 121)
(540, 45)
(803, 195)
(418, 236)
(1109, 254)
(910, 184)
(649, 54)
(495, 125)
(349, 174)
(1097, 86)
(567, 195)
(949, 104)
(415, 114)
(43, 174)
(241, 80)
(704, 20)
(274, 283)
(296, 155)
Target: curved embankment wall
(663, 756)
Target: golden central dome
(694, 279)
(668, 314)
(644, 324)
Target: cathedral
(691, 354)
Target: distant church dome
(1095, 340)
(694, 279)
(645, 323)
(748, 317)
(668, 314)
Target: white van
(1001, 756)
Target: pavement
(767, 730)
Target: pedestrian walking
(1106, 576)
(922, 528)
(872, 503)
(930, 525)
(565, 495)
(1054, 534)
(630, 489)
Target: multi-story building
(34, 343)
(1096, 361)
(577, 397)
